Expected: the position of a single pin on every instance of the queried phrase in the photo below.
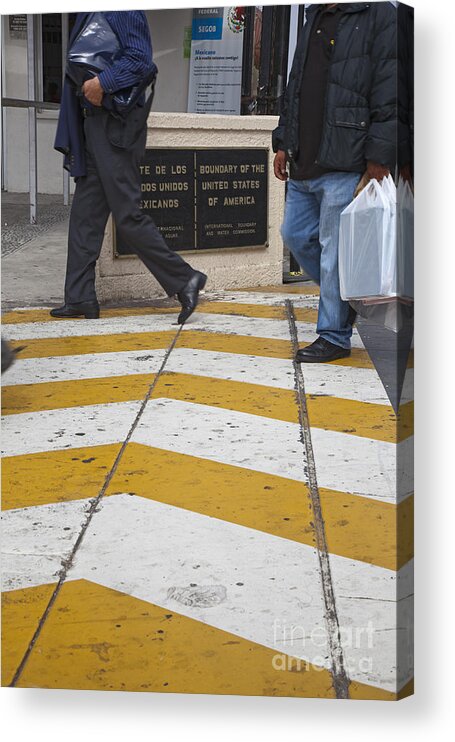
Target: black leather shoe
(189, 295)
(87, 309)
(321, 351)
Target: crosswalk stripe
(35, 398)
(193, 339)
(159, 650)
(49, 477)
(36, 541)
(182, 656)
(157, 553)
(347, 416)
(274, 329)
(357, 528)
(304, 289)
(211, 492)
(69, 428)
(372, 421)
(348, 463)
(234, 308)
(21, 613)
(362, 385)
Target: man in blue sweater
(103, 154)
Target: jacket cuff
(107, 81)
(277, 141)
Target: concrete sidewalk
(33, 256)
(33, 275)
(185, 511)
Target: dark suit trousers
(112, 184)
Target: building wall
(125, 279)
(167, 28)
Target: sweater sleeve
(136, 61)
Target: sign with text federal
(216, 60)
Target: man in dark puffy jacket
(338, 122)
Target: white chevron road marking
(360, 384)
(36, 540)
(265, 588)
(70, 427)
(346, 463)
(234, 325)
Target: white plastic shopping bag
(368, 261)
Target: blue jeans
(310, 231)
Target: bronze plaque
(205, 199)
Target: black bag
(95, 48)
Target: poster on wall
(216, 60)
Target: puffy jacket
(360, 121)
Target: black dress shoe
(87, 309)
(321, 351)
(189, 295)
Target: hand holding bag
(368, 257)
(94, 49)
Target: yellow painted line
(239, 344)
(96, 638)
(357, 528)
(49, 477)
(87, 344)
(196, 339)
(55, 395)
(21, 613)
(21, 316)
(305, 289)
(303, 314)
(362, 692)
(329, 413)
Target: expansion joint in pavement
(339, 675)
(68, 563)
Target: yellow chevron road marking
(364, 419)
(304, 289)
(302, 314)
(244, 345)
(54, 395)
(36, 479)
(21, 316)
(329, 413)
(357, 528)
(68, 346)
(96, 638)
(196, 339)
(21, 614)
